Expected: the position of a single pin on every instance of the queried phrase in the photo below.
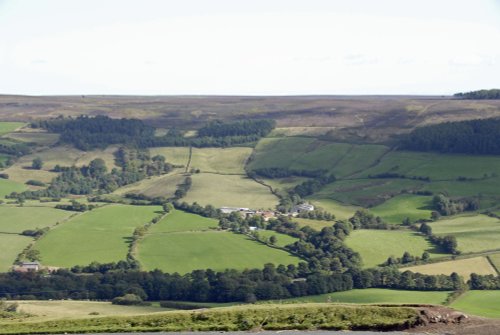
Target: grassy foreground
(267, 317)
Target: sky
(248, 47)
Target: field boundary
(492, 264)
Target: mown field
(184, 242)
(179, 221)
(473, 232)
(17, 219)
(481, 303)
(161, 186)
(8, 186)
(464, 267)
(495, 260)
(58, 309)
(375, 246)
(341, 211)
(229, 190)
(101, 235)
(379, 296)
(12, 245)
(395, 210)
(220, 160)
(7, 127)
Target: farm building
(305, 207)
(28, 267)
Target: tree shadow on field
(128, 239)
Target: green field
(282, 240)
(184, 252)
(173, 155)
(37, 137)
(7, 127)
(12, 245)
(481, 303)
(367, 192)
(101, 235)
(18, 219)
(8, 186)
(179, 221)
(315, 224)
(473, 232)
(230, 191)
(436, 166)
(220, 160)
(305, 153)
(379, 296)
(375, 246)
(341, 211)
(395, 210)
(160, 186)
(463, 267)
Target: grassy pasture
(184, 252)
(57, 309)
(341, 211)
(375, 246)
(179, 221)
(463, 267)
(161, 186)
(7, 127)
(481, 303)
(8, 186)
(281, 239)
(173, 155)
(100, 235)
(378, 296)
(436, 166)
(229, 190)
(474, 233)
(366, 192)
(11, 246)
(304, 153)
(220, 160)
(487, 188)
(18, 219)
(395, 210)
(315, 224)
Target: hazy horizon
(248, 48)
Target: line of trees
(86, 133)
(480, 94)
(468, 137)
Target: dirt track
(443, 320)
